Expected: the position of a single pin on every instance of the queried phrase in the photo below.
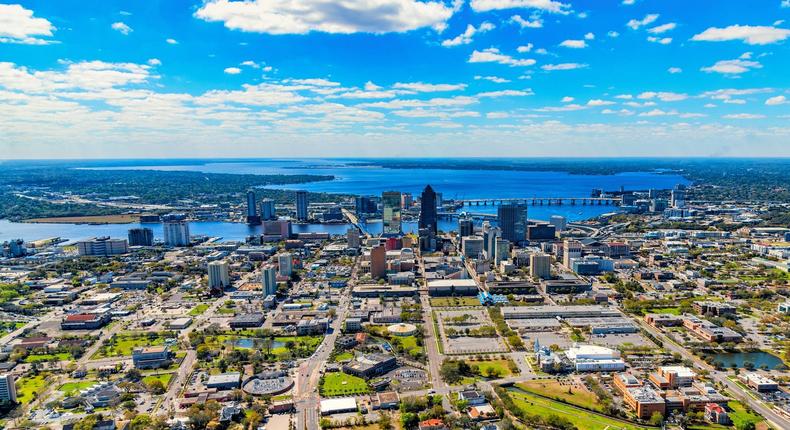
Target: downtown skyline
(394, 78)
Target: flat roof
(452, 283)
(224, 378)
(329, 406)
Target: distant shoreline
(89, 219)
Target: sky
(394, 78)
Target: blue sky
(287, 78)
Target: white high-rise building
(7, 388)
(218, 276)
(269, 279)
(176, 233)
(559, 222)
(103, 246)
(285, 264)
(571, 249)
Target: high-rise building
(269, 279)
(218, 276)
(285, 264)
(268, 212)
(490, 236)
(378, 262)
(365, 205)
(252, 209)
(501, 250)
(678, 198)
(406, 200)
(280, 228)
(472, 246)
(428, 217)
(175, 230)
(540, 266)
(541, 231)
(301, 206)
(352, 236)
(512, 219)
(571, 249)
(141, 237)
(559, 222)
(102, 246)
(7, 388)
(391, 213)
(466, 226)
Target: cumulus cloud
(674, 70)
(465, 38)
(661, 40)
(121, 27)
(664, 96)
(524, 48)
(232, 70)
(171, 41)
(663, 28)
(494, 79)
(599, 102)
(534, 22)
(493, 55)
(752, 35)
(744, 116)
(422, 87)
(543, 5)
(567, 99)
(18, 25)
(304, 16)
(563, 66)
(612, 34)
(774, 101)
(732, 67)
(647, 20)
(506, 93)
(575, 44)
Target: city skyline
(394, 78)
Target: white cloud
(589, 36)
(534, 22)
(629, 2)
(506, 93)
(735, 101)
(18, 25)
(648, 19)
(524, 48)
(544, 5)
(785, 4)
(541, 51)
(154, 62)
(497, 115)
(612, 34)
(567, 99)
(304, 16)
(744, 116)
(663, 28)
(663, 96)
(250, 63)
(122, 28)
(732, 67)
(752, 35)
(658, 112)
(492, 55)
(662, 40)
(565, 108)
(575, 44)
(171, 41)
(599, 102)
(232, 70)
(674, 70)
(422, 87)
(563, 66)
(494, 79)
(622, 112)
(774, 101)
(465, 38)
(370, 86)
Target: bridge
(545, 201)
(453, 215)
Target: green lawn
(343, 356)
(671, 310)
(122, 345)
(492, 368)
(341, 384)
(163, 377)
(454, 302)
(553, 389)
(306, 343)
(409, 344)
(27, 386)
(37, 358)
(740, 416)
(70, 388)
(583, 420)
(199, 309)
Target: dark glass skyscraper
(512, 219)
(428, 209)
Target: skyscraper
(7, 388)
(175, 230)
(512, 219)
(352, 236)
(285, 263)
(540, 266)
(269, 279)
(218, 277)
(571, 249)
(501, 250)
(466, 226)
(141, 237)
(678, 198)
(378, 262)
(391, 213)
(268, 212)
(252, 210)
(428, 218)
(301, 206)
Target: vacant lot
(570, 392)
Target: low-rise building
(152, 357)
(224, 381)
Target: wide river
(373, 180)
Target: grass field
(26, 387)
(69, 388)
(91, 219)
(671, 310)
(163, 377)
(740, 416)
(578, 396)
(454, 302)
(342, 384)
(199, 309)
(122, 345)
(583, 420)
(37, 358)
(493, 368)
(409, 344)
(343, 356)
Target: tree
(656, 419)
(385, 423)
(134, 375)
(253, 419)
(156, 387)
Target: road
(766, 412)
